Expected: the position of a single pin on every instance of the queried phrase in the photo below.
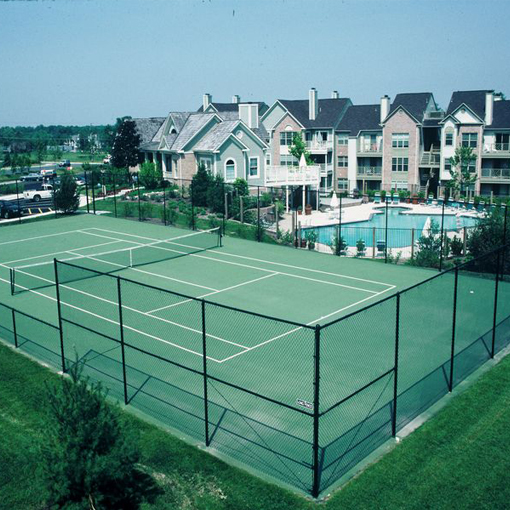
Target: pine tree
(67, 197)
(90, 456)
(199, 186)
(126, 145)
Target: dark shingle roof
(501, 116)
(414, 102)
(147, 128)
(234, 107)
(475, 99)
(328, 114)
(358, 118)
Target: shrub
(127, 209)
(456, 246)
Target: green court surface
(260, 365)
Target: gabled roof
(216, 136)
(501, 115)
(329, 112)
(414, 103)
(366, 117)
(148, 127)
(234, 107)
(194, 123)
(475, 99)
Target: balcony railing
(431, 159)
(319, 144)
(370, 148)
(496, 148)
(495, 173)
(292, 175)
(325, 168)
(369, 171)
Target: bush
(128, 209)
(150, 175)
(66, 195)
(146, 210)
(429, 247)
(456, 245)
(241, 187)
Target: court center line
(259, 268)
(216, 292)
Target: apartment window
(470, 140)
(207, 162)
(399, 164)
(287, 137)
(254, 167)
(343, 161)
(472, 167)
(343, 139)
(230, 170)
(322, 136)
(308, 136)
(288, 160)
(343, 184)
(447, 165)
(268, 159)
(448, 139)
(400, 140)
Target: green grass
(458, 459)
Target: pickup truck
(11, 209)
(43, 191)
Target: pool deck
(363, 212)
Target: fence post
(442, 234)
(395, 371)
(121, 328)
(340, 226)
(87, 191)
(259, 235)
(204, 360)
(112, 174)
(496, 287)
(14, 328)
(17, 199)
(412, 243)
(373, 242)
(59, 311)
(93, 194)
(53, 193)
(164, 203)
(139, 202)
(454, 325)
(386, 231)
(316, 413)
(192, 206)
(225, 209)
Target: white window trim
(225, 170)
(207, 161)
(257, 176)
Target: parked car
(65, 163)
(48, 173)
(11, 209)
(33, 177)
(43, 191)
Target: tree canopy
(125, 145)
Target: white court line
(58, 252)
(124, 325)
(265, 261)
(40, 237)
(217, 292)
(259, 268)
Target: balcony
(495, 174)
(319, 145)
(431, 159)
(497, 149)
(280, 175)
(370, 148)
(369, 172)
(325, 168)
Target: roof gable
(465, 115)
(400, 109)
(195, 124)
(415, 103)
(475, 99)
(329, 112)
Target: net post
(204, 364)
(12, 276)
(17, 200)
(441, 249)
(395, 369)
(121, 329)
(59, 311)
(496, 287)
(112, 174)
(14, 328)
(386, 230)
(87, 191)
(139, 202)
(454, 326)
(316, 413)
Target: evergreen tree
(67, 197)
(90, 456)
(126, 145)
(199, 186)
(150, 175)
(215, 194)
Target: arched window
(230, 170)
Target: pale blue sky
(88, 62)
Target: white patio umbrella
(335, 203)
(302, 161)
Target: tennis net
(41, 275)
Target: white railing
(495, 173)
(319, 144)
(369, 171)
(369, 148)
(288, 175)
(496, 147)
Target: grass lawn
(458, 459)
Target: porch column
(317, 201)
(155, 158)
(304, 198)
(287, 198)
(163, 164)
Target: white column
(317, 202)
(155, 157)
(163, 164)
(286, 199)
(304, 197)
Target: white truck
(39, 193)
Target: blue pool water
(399, 228)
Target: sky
(90, 61)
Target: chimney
(498, 96)
(313, 104)
(236, 99)
(489, 107)
(385, 107)
(207, 101)
(334, 94)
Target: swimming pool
(399, 228)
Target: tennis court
(150, 309)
